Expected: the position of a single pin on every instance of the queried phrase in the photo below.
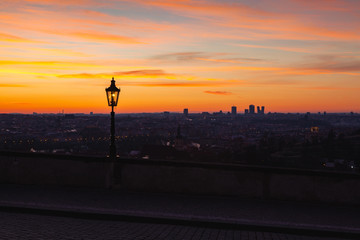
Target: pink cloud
(12, 38)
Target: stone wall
(56, 170)
(181, 177)
(242, 181)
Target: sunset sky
(289, 55)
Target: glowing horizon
(167, 55)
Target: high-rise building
(251, 109)
(186, 112)
(246, 111)
(258, 110)
(262, 109)
(233, 110)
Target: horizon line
(178, 112)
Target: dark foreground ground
(29, 226)
(47, 212)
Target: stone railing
(181, 177)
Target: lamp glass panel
(108, 96)
(112, 97)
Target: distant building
(218, 113)
(166, 114)
(251, 109)
(186, 112)
(246, 111)
(260, 110)
(91, 113)
(233, 110)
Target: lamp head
(112, 94)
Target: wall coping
(188, 164)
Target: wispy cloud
(218, 93)
(12, 38)
(55, 52)
(329, 5)
(177, 84)
(76, 25)
(46, 63)
(145, 72)
(219, 60)
(179, 56)
(189, 84)
(101, 36)
(330, 63)
(202, 56)
(254, 22)
(288, 49)
(203, 9)
(321, 88)
(309, 65)
(136, 73)
(10, 85)
(163, 79)
(60, 2)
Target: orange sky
(289, 55)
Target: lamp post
(112, 94)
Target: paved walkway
(218, 210)
(27, 226)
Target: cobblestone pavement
(29, 226)
(209, 208)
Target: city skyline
(290, 56)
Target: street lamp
(112, 94)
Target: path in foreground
(283, 214)
(30, 226)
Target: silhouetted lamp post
(112, 94)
